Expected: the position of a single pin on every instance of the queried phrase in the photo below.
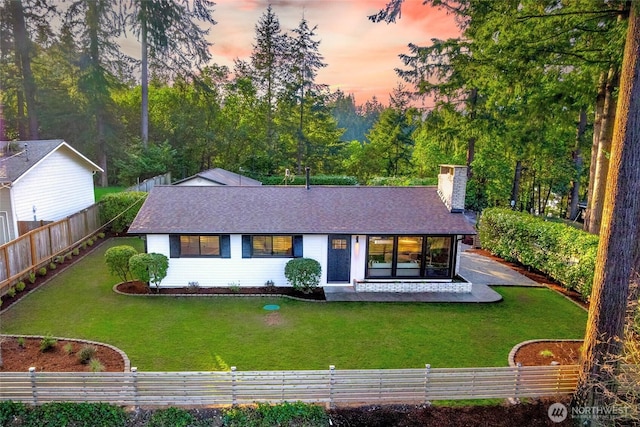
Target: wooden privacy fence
(148, 184)
(36, 248)
(331, 387)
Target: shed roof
(18, 157)
(294, 209)
(222, 177)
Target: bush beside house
(303, 273)
(563, 253)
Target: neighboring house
(45, 180)
(218, 176)
(382, 238)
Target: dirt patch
(530, 414)
(141, 288)
(273, 319)
(19, 354)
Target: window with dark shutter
(297, 246)
(174, 246)
(246, 246)
(189, 246)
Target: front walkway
(475, 268)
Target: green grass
(100, 192)
(187, 333)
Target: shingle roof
(26, 154)
(222, 177)
(294, 209)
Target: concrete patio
(481, 271)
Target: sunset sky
(361, 55)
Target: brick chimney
(452, 186)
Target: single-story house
(41, 181)
(218, 176)
(382, 238)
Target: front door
(339, 258)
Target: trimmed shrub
(171, 417)
(76, 414)
(117, 259)
(75, 252)
(11, 292)
(119, 209)
(303, 273)
(313, 180)
(100, 235)
(90, 242)
(283, 414)
(52, 266)
(42, 271)
(32, 277)
(401, 181)
(12, 412)
(150, 268)
(20, 286)
(564, 253)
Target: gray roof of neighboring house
(222, 177)
(18, 157)
(294, 209)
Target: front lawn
(214, 333)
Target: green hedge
(401, 181)
(121, 209)
(564, 253)
(313, 180)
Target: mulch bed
(546, 352)
(18, 355)
(141, 288)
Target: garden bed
(20, 354)
(141, 288)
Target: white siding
(235, 270)
(7, 225)
(58, 186)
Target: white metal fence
(331, 387)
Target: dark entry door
(339, 258)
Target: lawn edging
(115, 289)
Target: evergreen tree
(268, 62)
(97, 25)
(305, 60)
(171, 37)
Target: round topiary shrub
(303, 274)
(117, 259)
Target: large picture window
(183, 246)
(270, 245)
(409, 256)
